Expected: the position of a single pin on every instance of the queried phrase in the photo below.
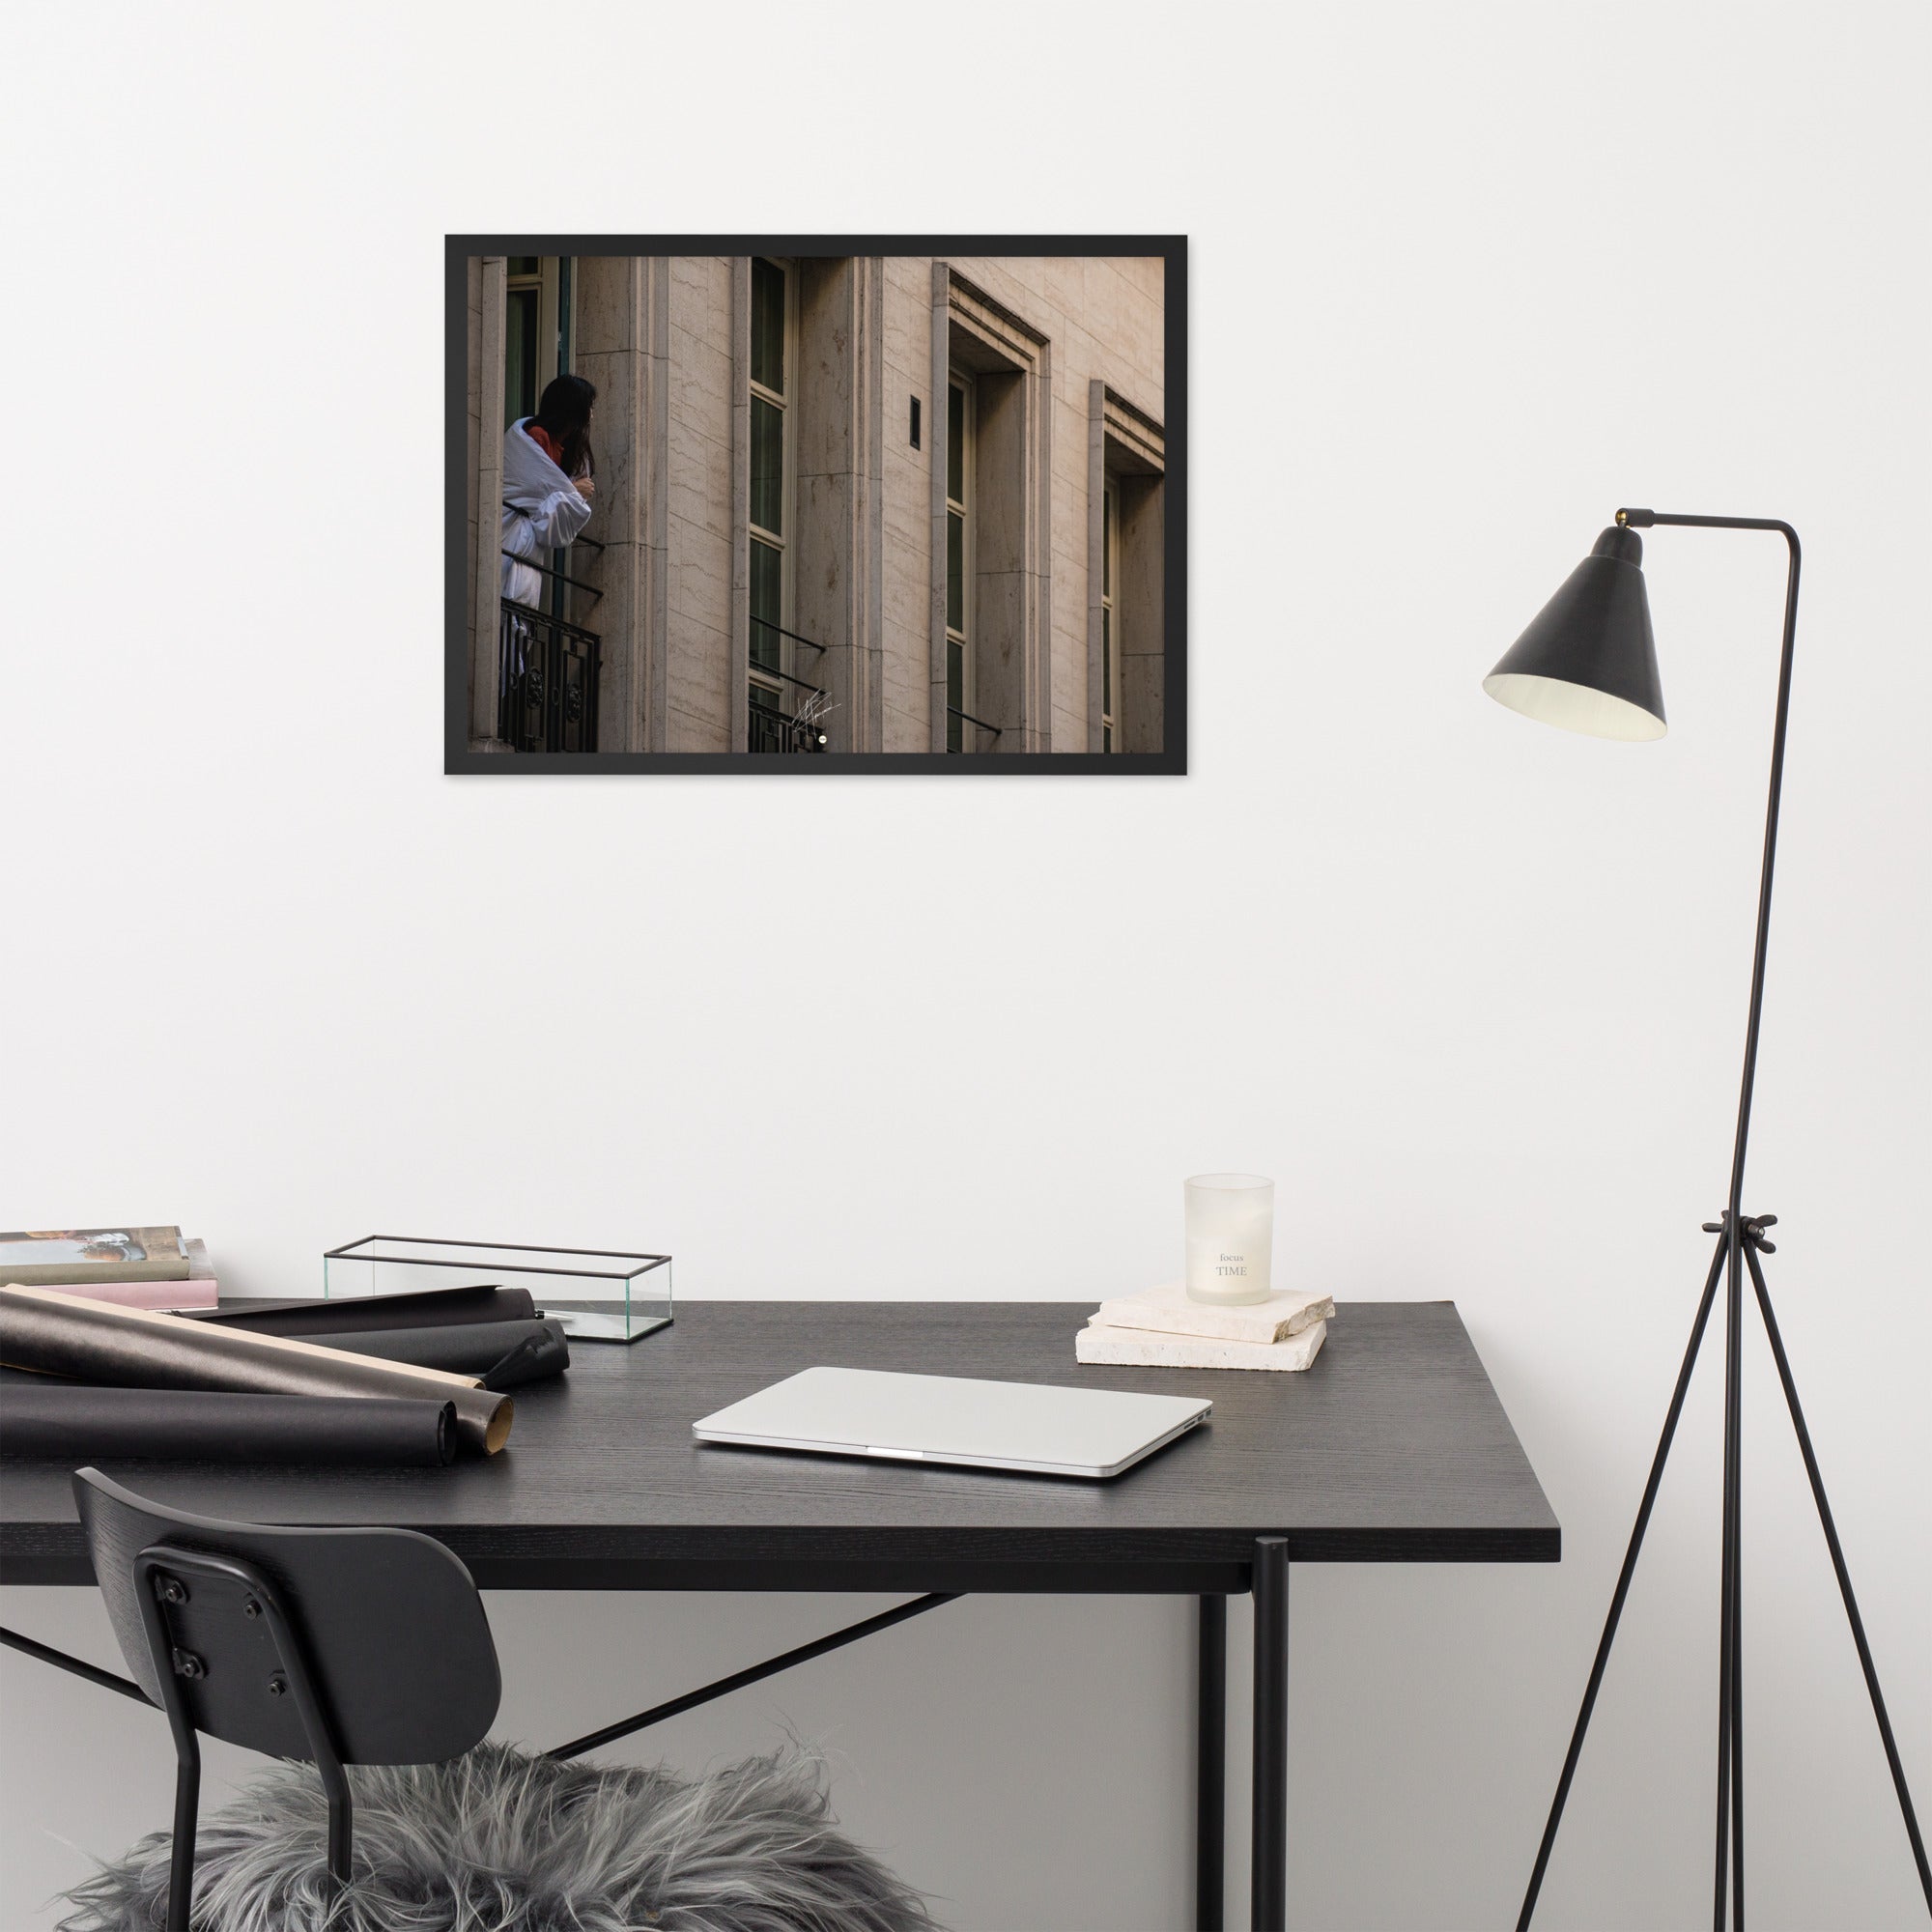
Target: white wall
(1465, 279)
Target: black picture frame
(1171, 761)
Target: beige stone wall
(1103, 319)
(699, 519)
(908, 490)
(619, 346)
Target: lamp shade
(1588, 662)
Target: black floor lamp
(1588, 662)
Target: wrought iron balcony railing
(775, 730)
(548, 674)
(955, 737)
(770, 728)
(563, 583)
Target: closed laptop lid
(954, 1419)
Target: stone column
(942, 366)
(1040, 604)
(486, 411)
(738, 647)
(869, 638)
(623, 324)
(838, 569)
(1096, 543)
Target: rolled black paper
(364, 1314)
(466, 1347)
(138, 1347)
(69, 1423)
(524, 1363)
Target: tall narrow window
(771, 570)
(959, 680)
(521, 331)
(1110, 635)
(536, 329)
(536, 348)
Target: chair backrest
(391, 1633)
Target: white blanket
(542, 511)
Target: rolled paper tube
(136, 1348)
(364, 1314)
(465, 1348)
(73, 1424)
(524, 1363)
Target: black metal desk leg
(1211, 1767)
(1269, 1892)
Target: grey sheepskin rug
(496, 1841)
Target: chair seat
(499, 1841)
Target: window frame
(963, 506)
(784, 541)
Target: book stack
(1162, 1328)
(130, 1268)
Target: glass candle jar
(1230, 1237)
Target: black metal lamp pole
(1588, 662)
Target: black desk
(1391, 1448)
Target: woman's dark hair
(564, 415)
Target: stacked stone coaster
(1162, 1328)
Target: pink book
(159, 1295)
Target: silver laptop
(1045, 1432)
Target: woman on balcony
(547, 486)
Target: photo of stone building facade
(895, 504)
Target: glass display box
(598, 1296)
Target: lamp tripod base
(1741, 1240)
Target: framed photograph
(817, 503)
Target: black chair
(370, 1647)
(329, 1646)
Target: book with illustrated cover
(200, 1291)
(56, 1255)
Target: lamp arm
(1643, 520)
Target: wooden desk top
(1392, 1447)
